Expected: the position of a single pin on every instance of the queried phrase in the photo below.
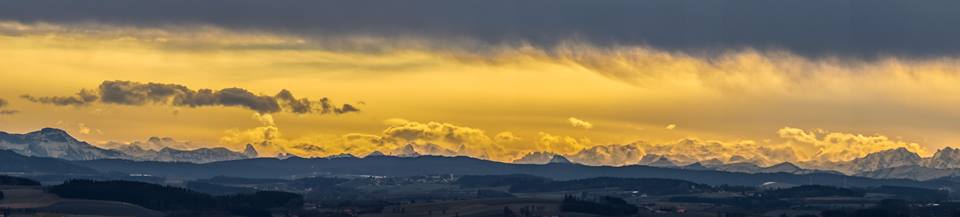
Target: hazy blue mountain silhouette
(430, 165)
(12, 162)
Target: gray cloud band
(807, 27)
(136, 93)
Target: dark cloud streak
(84, 97)
(4, 103)
(808, 27)
(136, 93)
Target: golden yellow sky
(499, 102)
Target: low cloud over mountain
(446, 139)
(891, 163)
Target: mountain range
(892, 163)
(57, 143)
(54, 170)
(200, 155)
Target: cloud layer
(808, 27)
(136, 93)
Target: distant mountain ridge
(296, 167)
(13, 162)
(57, 143)
(537, 157)
(892, 163)
(200, 155)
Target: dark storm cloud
(296, 105)
(809, 27)
(136, 93)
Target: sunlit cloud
(86, 130)
(435, 138)
(579, 123)
(822, 145)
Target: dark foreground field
(466, 196)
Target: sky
(496, 79)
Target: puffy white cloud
(821, 145)
(575, 122)
(84, 129)
(264, 119)
(412, 131)
(560, 144)
(263, 137)
(797, 145)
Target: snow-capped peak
(885, 159)
(559, 159)
(945, 158)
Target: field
(99, 208)
(473, 208)
(47, 204)
(26, 197)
